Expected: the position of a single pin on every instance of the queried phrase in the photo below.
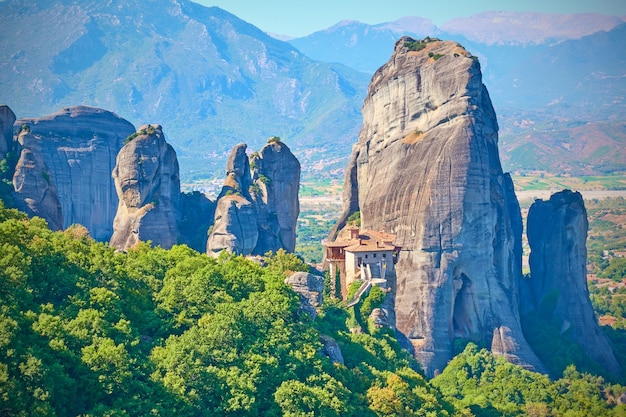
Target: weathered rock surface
(234, 229)
(310, 288)
(198, 212)
(7, 119)
(426, 168)
(148, 187)
(277, 174)
(76, 147)
(557, 234)
(258, 207)
(331, 349)
(33, 182)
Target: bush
(373, 300)
(355, 219)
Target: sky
(302, 17)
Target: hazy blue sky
(299, 18)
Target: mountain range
(213, 80)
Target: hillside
(172, 332)
(210, 79)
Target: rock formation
(197, 216)
(34, 187)
(276, 172)
(331, 348)
(66, 160)
(258, 206)
(426, 168)
(557, 234)
(310, 288)
(7, 119)
(147, 184)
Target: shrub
(373, 300)
(355, 219)
(264, 179)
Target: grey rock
(148, 186)
(198, 212)
(77, 146)
(277, 175)
(557, 234)
(34, 183)
(310, 288)
(380, 318)
(331, 349)
(426, 168)
(235, 227)
(7, 119)
(257, 208)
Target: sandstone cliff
(197, 216)
(148, 187)
(34, 187)
(7, 119)
(277, 176)
(557, 234)
(426, 168)
(258, 206)
(74, 153)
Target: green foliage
(488, 385)
(273, 139)
(355, 219)
(616, 270)
(265, 180)
(418, 45)
(374, 299)
(353, 288)
(434, 56)
(85, 330)
(131, 137)
(283, 262)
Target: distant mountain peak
(506, 27)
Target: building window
(374, 255)
(384, 255)
(366, 256)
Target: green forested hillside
(88, 331)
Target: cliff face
(148, 187)
(258, 206)
(426, 168)
(197, 216)
(557, 234)
(277, 174)
(34, 187)
(74, 153)
(7, 119)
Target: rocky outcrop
(197, 216)
(331, 349)
(7, 119)
(258, 206)
(426, 168)
(34, 187)
(148, 187)
(70, 154)
(276, 173)
(557, 288)
(310, 288)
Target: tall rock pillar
(426, 168)
(557, 235)
(148, 186)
